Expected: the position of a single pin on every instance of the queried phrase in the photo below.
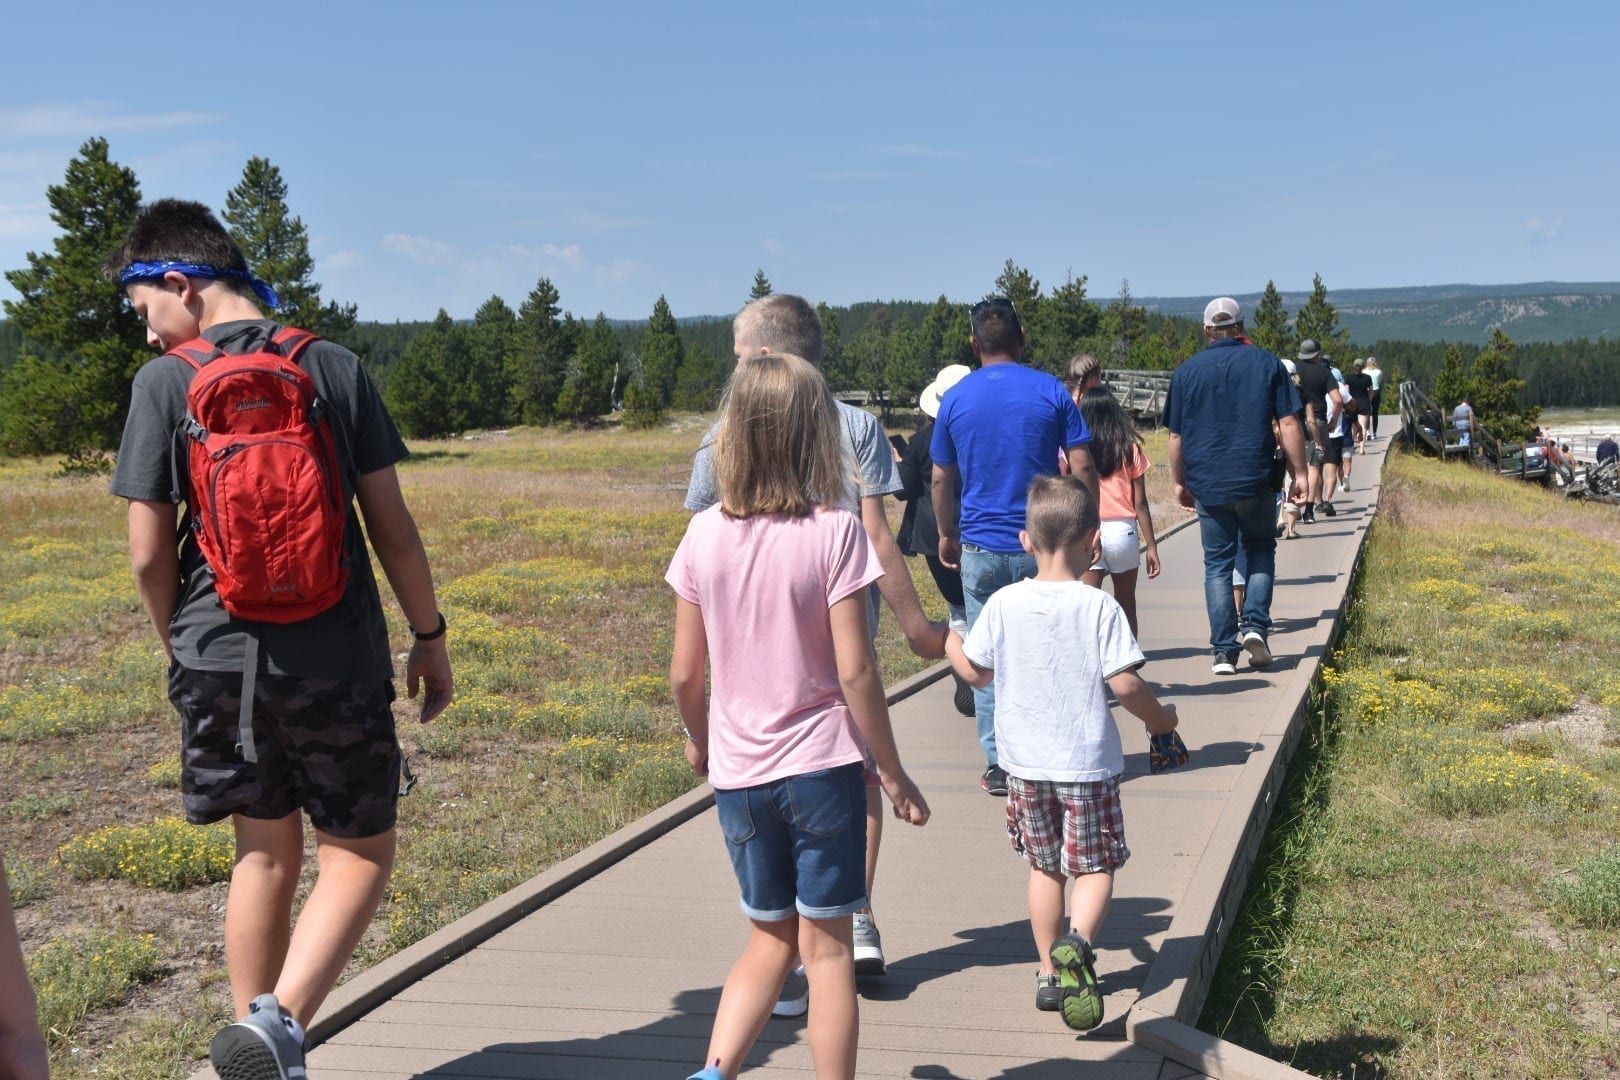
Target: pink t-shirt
(765, 584)
(1116, 493)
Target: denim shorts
(799, 845)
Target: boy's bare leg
(829, 961)
(258, 907)
(751, 989)
(1046, 917)
(1092, 892)
(353, 875)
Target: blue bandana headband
(150, 271)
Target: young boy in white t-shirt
(1048, 643)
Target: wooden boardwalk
(614, 973)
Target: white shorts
(1121, 552)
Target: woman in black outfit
(1360, 386)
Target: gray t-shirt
(347, 641)
(874, 460)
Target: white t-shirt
(1051, 645)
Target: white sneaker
(1344, 483)
(795, 999)
(1259, 653)
(868, 947)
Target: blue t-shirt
(1002, 426)
(1221, 403)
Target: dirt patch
(1586, 726)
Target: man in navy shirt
(998, 429)
(1219, 411)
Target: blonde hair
(780, 448)
(1082, 367)
(1060, 511)
(782, 323)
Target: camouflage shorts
(326, 746)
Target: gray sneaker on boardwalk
(258, 1046)
(795, 996)
(868, 947)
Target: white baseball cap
(1222, 311)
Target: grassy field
(1439, 895)
(549, 548)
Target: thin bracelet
(431, 635)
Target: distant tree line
(70, 343)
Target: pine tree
(588, 391)
(1125, 323)
(492, 343)
(762, 286)
(538, 367)
(276, 246)
(82, 341)
(1067, 320)
(835, 366)
(1019, 285)
(1452, 385)
(422, 391)
(1496, 386)
(1318, 319)
(1269, 329)
(702, 375)
(662, 354)
(870, 351)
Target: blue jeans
(1250, 523)
(798, 845)
(983, 572)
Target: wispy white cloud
(917, 150)
(1544, 228)
(570, 254)
(773, 247)
(418, 248)
(856, 174)
(342, 259)
(620, 271)
(25, 221)
(80, 119)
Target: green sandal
(1082, 1002)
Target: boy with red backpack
(263, 596)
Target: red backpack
(265, 483)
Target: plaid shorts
(1074, 829)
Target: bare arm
(946, 515)
(926, 639)
(863, 691)
(1139, 699)
(22, 1046)
(971, 673)
(1292, 437)
(154, 551)
(398, 544)
(686, 682)
(1079, 459)
(1144, 525)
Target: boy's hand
(909, 804)
(1166, 751)
(429, 664)
(697, 757)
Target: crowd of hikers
(250, 444)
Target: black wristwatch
(431, 635)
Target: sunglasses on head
(995, 303)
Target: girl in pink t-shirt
(1116, 451)
(770, 597)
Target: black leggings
(1372, 400)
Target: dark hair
(996, 327)
(1113, 433)
(181, 231)
(1060, 511)
(1226, 330)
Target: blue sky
(442, 153)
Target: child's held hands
(909, 804)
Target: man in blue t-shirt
(1220, 410)
(997, 430)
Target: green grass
(76, 975)
(1414, 912)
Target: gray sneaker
(795, 997)
(868, 947)
(258, 1046)
(1048, 993)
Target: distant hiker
(278, 718)
(919, 532)
(998, 429)
(1359, 383)
(783, 323)
(22, 1046)
(770, 602)
(1462, 418)
(1050, 643)
(1608, 450)
(1219, 411)
(1318, 389)
(1376, 396)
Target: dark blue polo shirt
(1221, 403)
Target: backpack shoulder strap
(290, 341)
(195, 353)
